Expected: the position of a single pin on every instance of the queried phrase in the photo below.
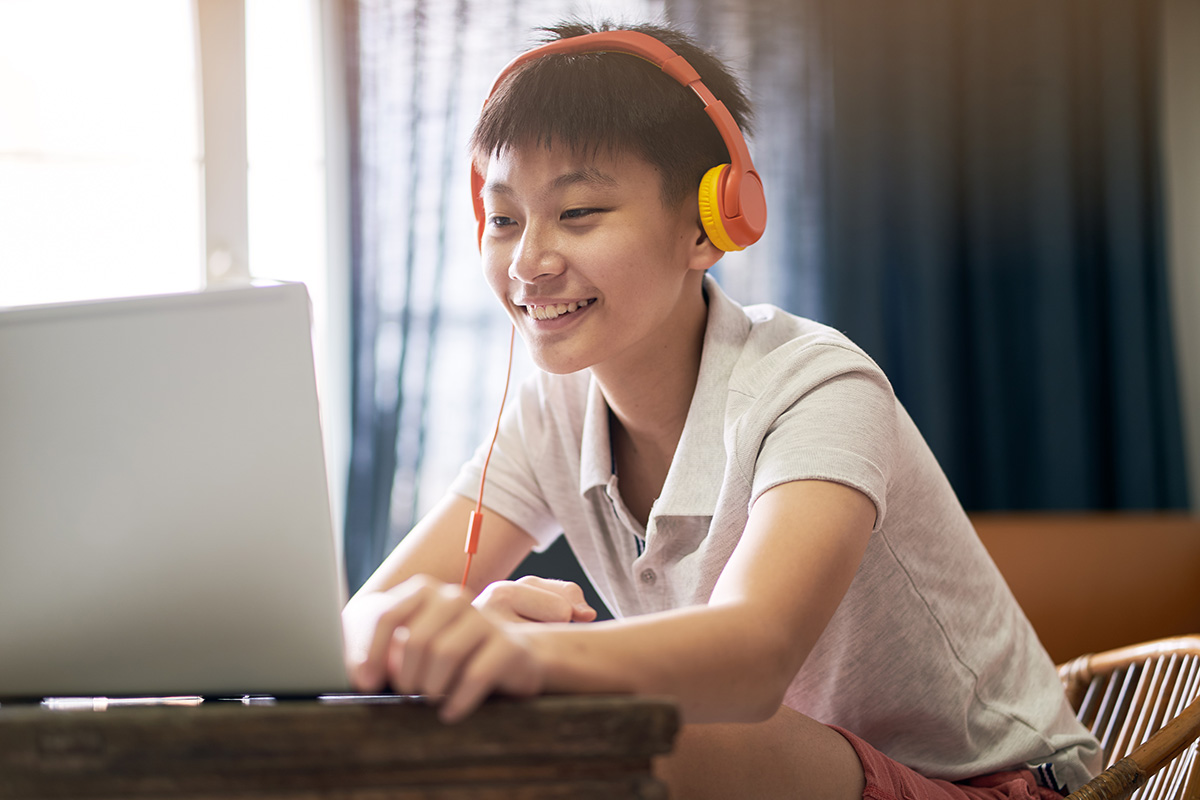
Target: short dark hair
(598, 101)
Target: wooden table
(549, 747)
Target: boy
(782, 553)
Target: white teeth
(555, 311)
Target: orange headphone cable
(475, 523)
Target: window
(100, 172)
(103, 174)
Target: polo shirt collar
(697, 472)
(596, 459)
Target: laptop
(165, 522)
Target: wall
(1094, 581)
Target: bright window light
(286, 148)
(287, 191)
(100, 175)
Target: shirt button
(648, 576)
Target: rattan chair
(1141, 703)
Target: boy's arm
(733, 659)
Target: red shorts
(890, 780)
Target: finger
(566, 589)
(534, 604)
(498, 663)
(395, 657)
(520, 601)
(569, 591)
(383, 613)
(452, 651)
(582, 612)
(496, 601)
(443, 605)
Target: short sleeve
(840, 425)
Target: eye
(499, 221)
(580, 213)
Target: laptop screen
(164, 514)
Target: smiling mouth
(555, 310)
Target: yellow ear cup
(710, 209)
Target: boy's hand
(425, 637)
(533, 599)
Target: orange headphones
(733, 208)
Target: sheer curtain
(429, 339)
(970, 190)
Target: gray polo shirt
(928, 657)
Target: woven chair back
(1136, 701)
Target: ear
(703, 253)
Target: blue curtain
(989, 226)
(995, 239)
(970, 189)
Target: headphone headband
(737, 196)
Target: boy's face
(590, 264)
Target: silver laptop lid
(164, 513)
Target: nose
(535, 256)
